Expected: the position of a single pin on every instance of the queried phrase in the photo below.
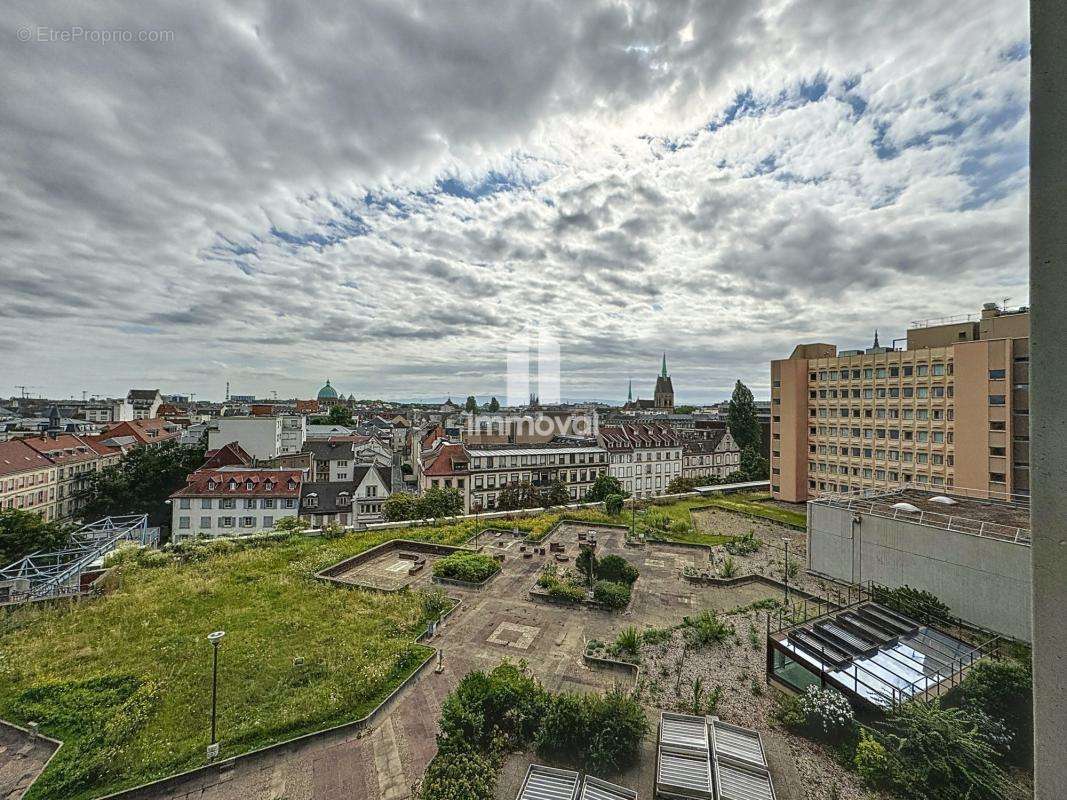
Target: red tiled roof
(443, 462)
(245, 483)
(229, 455)
(630, 435)
(307, 406)
(142, 430)
(16, 457)
(64, 449)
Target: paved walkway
(21, 761)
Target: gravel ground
(734, 671)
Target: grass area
(755, 504)
(124, 680)
(682, 527)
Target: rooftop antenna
(1004, 303)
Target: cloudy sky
(388, 193)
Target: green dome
(327, 392)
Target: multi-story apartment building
(951, 410)
(644, 457)
(331, 461)
(479, 472)
(145, 402)
(713, 455)
(234, 500)
(75, 461)
(357, 501)
(261, 437)
(27, 479)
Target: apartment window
(997, 426)
(908, 370)
(938, 370)
(205, 522)
(268, 503)
(894, 372)
(880, 373)
(248, 522)
(290, 503)
(225, 522)
(227, 502)
(996, 374)
(206, 502)
(996, 399)
(250, 503)
(268, 522)
(184, 503)
(996, 477)
(922, 370)
(183, 523)
(997, 451)
(372, 491)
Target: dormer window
(211, 484)
(343, 499)
(292, 485)
(232, 485)
(311, 501)
(250, 485)
(269, 485)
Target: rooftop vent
(906, 507)
(945, 501)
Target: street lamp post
(215, 639)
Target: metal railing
(57, 573)
(949, 522)
(948, 674)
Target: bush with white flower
(827, 714)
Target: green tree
(494, 405)
(24, 532)
(753, 465)
(741, 419)
(586, 563)
(142, 481)
(516, 496)
(440, 501)
(471, 404)
(603, 486)
(339, 415)
(557, 494)
(613, 504)
(399, 506)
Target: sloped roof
(16, 456)
(443, 461)
(245, 483)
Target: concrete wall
(983, 580)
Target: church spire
(663, 370)
(630, 392)
(876, 337)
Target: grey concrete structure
(984, 577)
(1048, 420)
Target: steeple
(630, 393)
(663, 370)
(876, 337)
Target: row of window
(22, 481)
(935, 369)
(540, 459)
(889, 434)
(31, 499)
(884, 393)
(831, 486)
(904, 456)
(878, 474)
(231, 502)
(185, 523)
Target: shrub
(936, 753)
(586, 562)
(627, 642)
(826, 715)
(600, 732)
(460, 773)
(434, 603)
(612, 595)
(469, 567)
(922, 606)
(291, 524)
(492, 710)
(871, 761)
(567, 592)
(613, 504)
(1004, 690)
(744, 545)
(706, 629)
(728, 568)
(616, 569)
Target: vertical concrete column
(1048, 387)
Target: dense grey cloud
(387, 192)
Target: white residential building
(261, 437)
(644, 457)
(145, 403)
(232, 500)
(715, 455)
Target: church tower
(664, 397)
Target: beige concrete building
(27, 480)
(950, 410)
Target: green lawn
(145, 712)
(756, 505)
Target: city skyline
(719, 185)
